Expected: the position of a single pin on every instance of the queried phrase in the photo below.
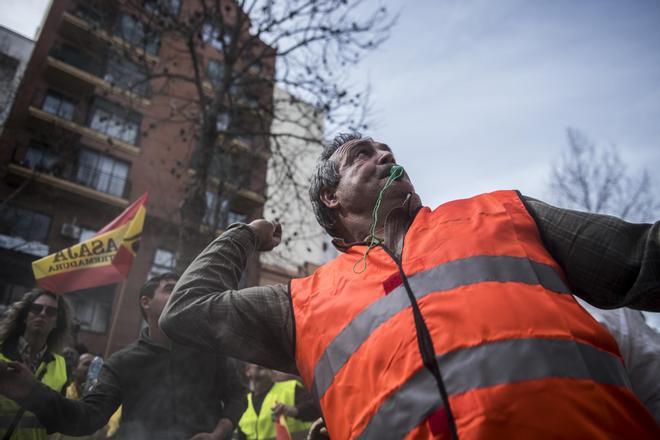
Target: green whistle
(396, 172)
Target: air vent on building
(70, 230)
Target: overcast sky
(476, 95)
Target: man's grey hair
(326, 175)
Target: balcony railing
(124, 80)
(86, 132)
(79, 59)
(71, 174)
(77, 24)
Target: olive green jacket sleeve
(207, 311)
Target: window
(235, 169)
(211, 35)
(92, 307)
(136, 33)
(86, 234)
(39, 158)
(24, 223)
(222, 123)
(101, 172)
(114, 121)
(215, 70)
(93, 316)
(218, 215)
(10, 293)
(251, 101)
(216, 208)
(164, 261)
(232, 168)
(239, 92)
(58, 105)
(235, 217)
(163, 7)
(89, 12)
(127, 75)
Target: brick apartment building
(79, 146)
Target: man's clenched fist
(269, 233)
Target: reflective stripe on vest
(446, 276)
(488, 365)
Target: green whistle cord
(395, 172)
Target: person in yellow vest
(455, 321)
(32, 333)
(268, 400)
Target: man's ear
(329, 198)
(144, 302)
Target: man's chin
(397, 194)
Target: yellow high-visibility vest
(29, 428)
(261, 426)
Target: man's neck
(36, 341)
(157, 336)
(391, 227)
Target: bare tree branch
(596, 180)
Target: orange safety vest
(518, 357)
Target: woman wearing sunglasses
(33, 332)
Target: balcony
(77, 170)
(86, 78)
(246, 102)
(64, 184)
(79, 29)
(42, 117)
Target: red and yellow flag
(282, 429)
(105, 258)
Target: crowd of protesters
(151, 389)
(181, 379)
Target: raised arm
(608, 262)
(207, 311)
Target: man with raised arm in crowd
(167, 391)
(450, 322)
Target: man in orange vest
(455, 322)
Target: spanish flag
(282, 429)
(106, 258)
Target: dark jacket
(166, 394)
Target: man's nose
(385, 157)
